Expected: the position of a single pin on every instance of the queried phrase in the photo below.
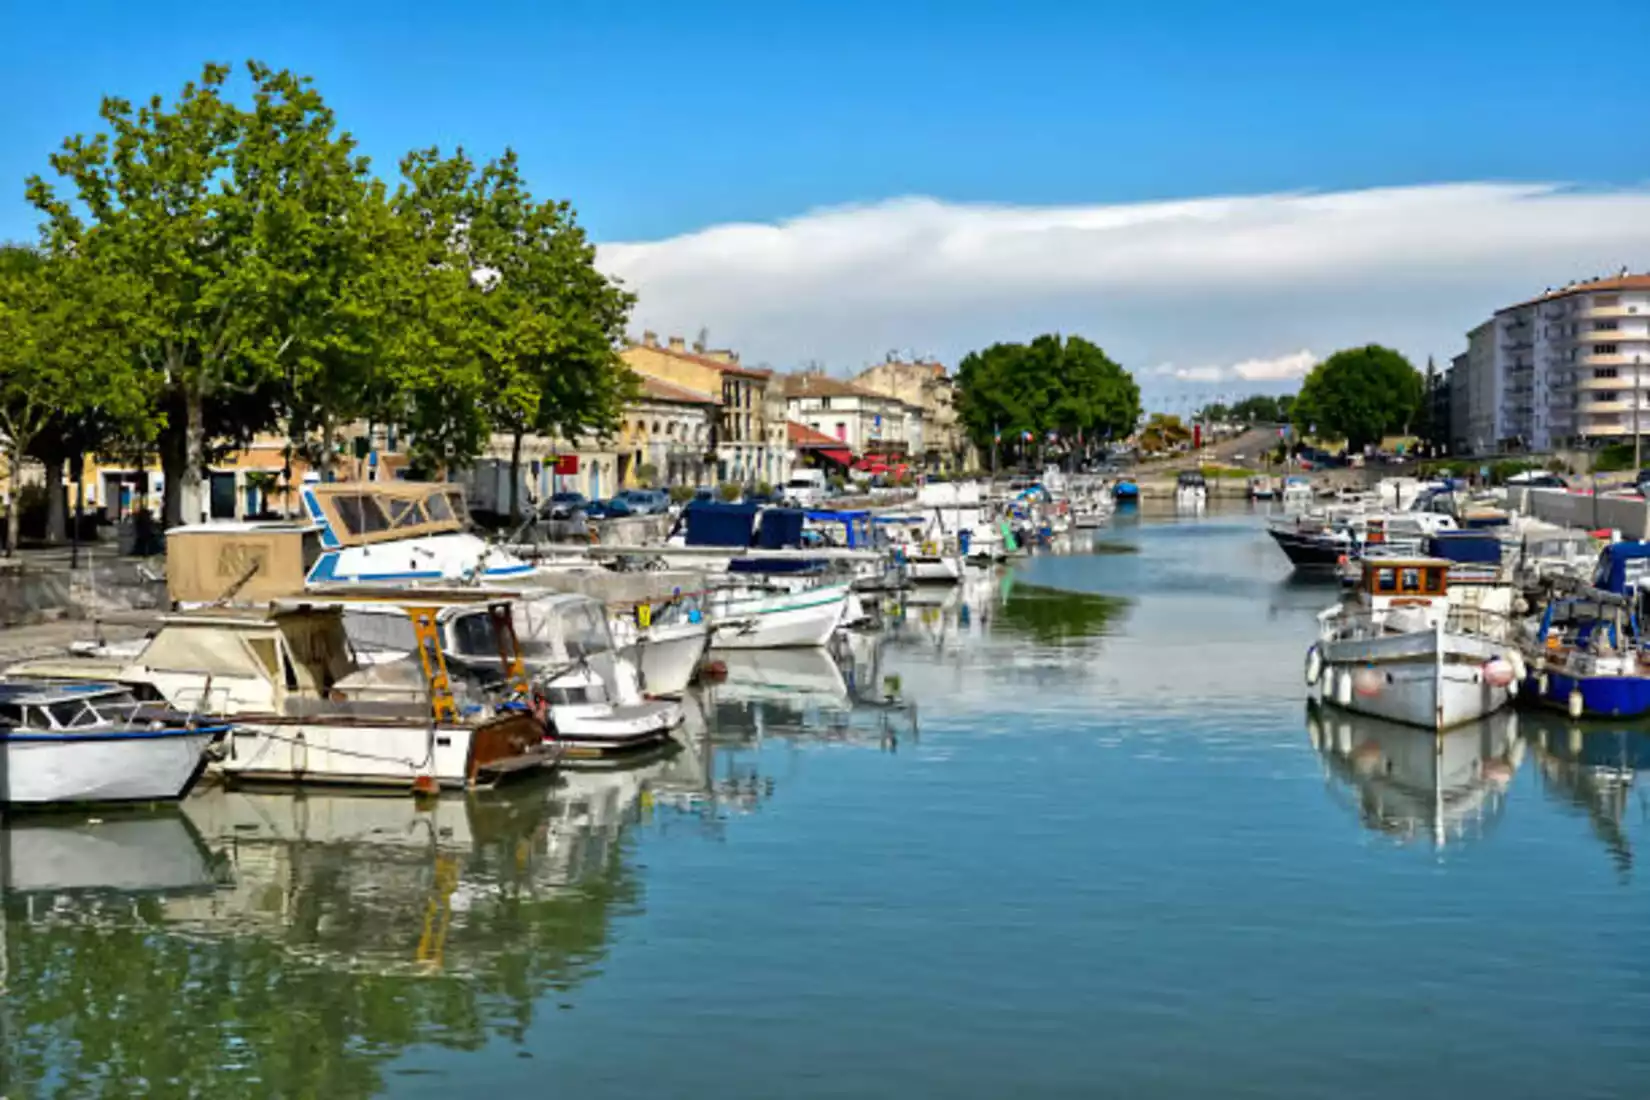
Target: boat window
(1410, 580)
(455, 501)
(1386, 580)
(264, 650)
(403, 512)
(587, 632)
(11, 715)
(439, 507)
(36, 718)
(349, 513)
(473, 636)
(73, 714)
(361, 515)
(1435, 582)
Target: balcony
(1606, 313)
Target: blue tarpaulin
(1466, 547)
(710, 523)
(781, 528)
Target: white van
(806, 488)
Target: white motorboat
(666, 653)
(69, 743)
(1191, 492)
(1400, 650)
(588, 696)
(773, 615)
(308, 707)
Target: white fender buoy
(1575, 702)
(1541, 684)
(1520, 669)
(1343, 686)
(1314, 665)
(1498, 672)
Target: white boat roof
(240, 527)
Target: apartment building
(863, 420)
(924, 385)
(747, 447)
(1560, 369)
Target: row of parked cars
(630, 502)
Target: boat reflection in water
(309, 939)
(1412, 783)
(837, 694)
(1595, 768)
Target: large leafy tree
(1064, 385)
(1359, 394)
(229, 217)
(547, 324)
(66, 364)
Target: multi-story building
(666, 436)
(927, 387)
(1565, 367)
(747, 448)
(863, 420)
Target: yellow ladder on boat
(509, 647)
(425, 628)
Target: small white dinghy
(73, 743)
(1398, 649)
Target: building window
(1606, 326)
(1604, 349)
(824, 402)
(841, 431)
(1605, 301)
(1604, 372)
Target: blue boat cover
(712, 523)
(1616, 568)
(1467, 547)
(781, 528)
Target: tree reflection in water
(1053, 616)
(335, 932)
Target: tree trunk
(328, 453)
(171, 449)
(14, 521)
(515, 477)
(57, 523)
(191, 494)
(77, 476)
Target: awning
(839, 455)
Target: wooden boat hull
(67, 767)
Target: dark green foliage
(1361, 395)
(1068, 386)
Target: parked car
(563, 505)
(645, 502)
(608, 509)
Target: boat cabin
(1191, 479)
(1399, 582)
(43, 706)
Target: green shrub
(729, 491)
(764, 488)
(681, 494)
(1613, 458)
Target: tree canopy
(1257, 408)
(1359, 394)
(270, 280)
(1067, 386)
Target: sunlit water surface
(1068, 832)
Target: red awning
(840, 455)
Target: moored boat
(1399, 650)
(66, 743)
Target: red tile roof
(1615, 282)
(660, 390)
(801, 435)
(706, 361)
(823, 385)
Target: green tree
(65, 361)
(1064, 385)
(1359, 394)
(1163, 432)
(548, 323)
(224, 214)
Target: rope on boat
(429, 756)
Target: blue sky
(662, 119)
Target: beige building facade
(926, 386)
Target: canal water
(1068, 831)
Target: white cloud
(1231, 281)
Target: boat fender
(1575, 702)
(1343, 686)
(1314, 666)
(1497, 672)
(1516, 659)
(1367, 681)
(1541, 683)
